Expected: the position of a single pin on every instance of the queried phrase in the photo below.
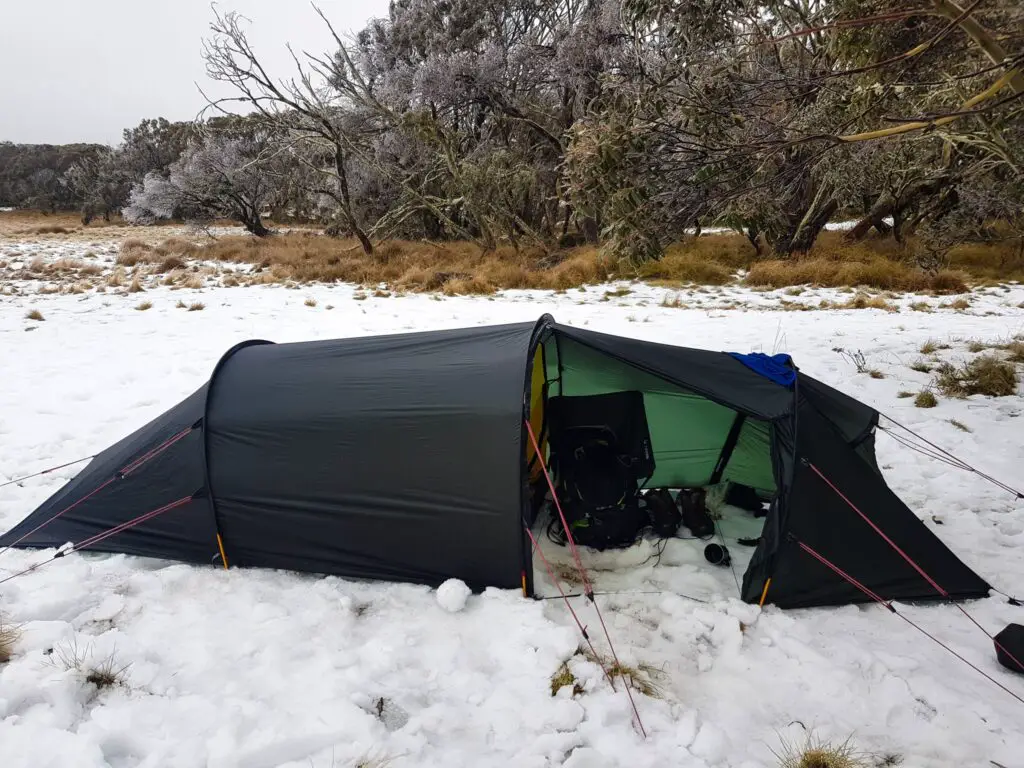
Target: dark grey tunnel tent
(406, 457)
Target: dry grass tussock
(925, 399)
(101, 673)
(563, 678)
(9, 636)
(23, 222)
(167, 255)
(463, 268)
(34, 314)
(815, 753)
(640, 678)
(452, 268)
(987, 374)
(874, 262)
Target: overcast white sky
(82, 70)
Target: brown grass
(985, 375)
(463, 268)
(864, 301)
(451, 268)
(50, 229)
(564, 677)
(310, 302)
(819, 754)
(1015, 350)
(878, 273)
(143, 306)
(104, 673)
(960, 425)
(196, 306)
(34, 314)
(9, 636)
(704, 261)
(136, 285)
(640, 678)
(925, 399)
(958, 304)
(902, 394)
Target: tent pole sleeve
(210, 495)
(727, 448)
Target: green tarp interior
(688, 431)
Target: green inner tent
(688, 431)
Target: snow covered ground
(259, 669)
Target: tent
(407, 457)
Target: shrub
(874, 373)
(196, 306)
(34, 314)
(142, 307)
(136, 285)
(921, 366)
(925, 399)
(985, 375)
(311, 302)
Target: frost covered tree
(101, 183)
(221, 177)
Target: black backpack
(598, 488)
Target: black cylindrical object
(716, 554)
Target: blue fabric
(778, 368)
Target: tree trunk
(346, 201)
(876, 215)
(808, 232)
(254, 224)
(589, 227)
(752, 234)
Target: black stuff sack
(1010, 647)
(665, 517)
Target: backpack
(598, 489)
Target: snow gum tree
(222, 177)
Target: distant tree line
(622, 122)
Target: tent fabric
(187, 534)
(404, 457)
(778, 368)
(798, 580)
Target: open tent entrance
(579, 393)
